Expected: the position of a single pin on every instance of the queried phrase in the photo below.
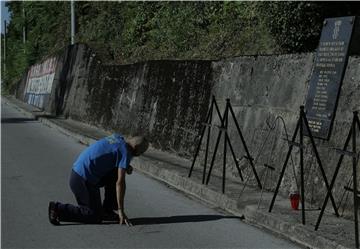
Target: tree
(127, 32)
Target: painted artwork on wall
(39, 82)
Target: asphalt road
(35, 167)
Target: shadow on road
(179, 219)
(17, 120)
(165, 220)
(25, 120)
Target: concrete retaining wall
(168, 100)
(265, 90)
(165, 100)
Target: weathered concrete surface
(163, 99)
(264, 88)
(168, 100)
(241, 200)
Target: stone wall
(165, 100)
(267, 90)
(168, 100)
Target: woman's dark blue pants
(89, 209)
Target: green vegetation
(127, 32)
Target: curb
(294, 232)
(48, 122)
(187, 185)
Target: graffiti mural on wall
(39, 82)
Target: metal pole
(222, 118)
(208, 121)
(4, 46)
(302, 164)
(218, 110)
(355, 183)
(319, 162)
(225, 118)
(245, 146)
(333, 179)
(208, 139)
(234, 156)
(285, 164)
(72, 22)
(24, 26)
(221, 129)
(214, 156)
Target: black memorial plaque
(326, 79)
